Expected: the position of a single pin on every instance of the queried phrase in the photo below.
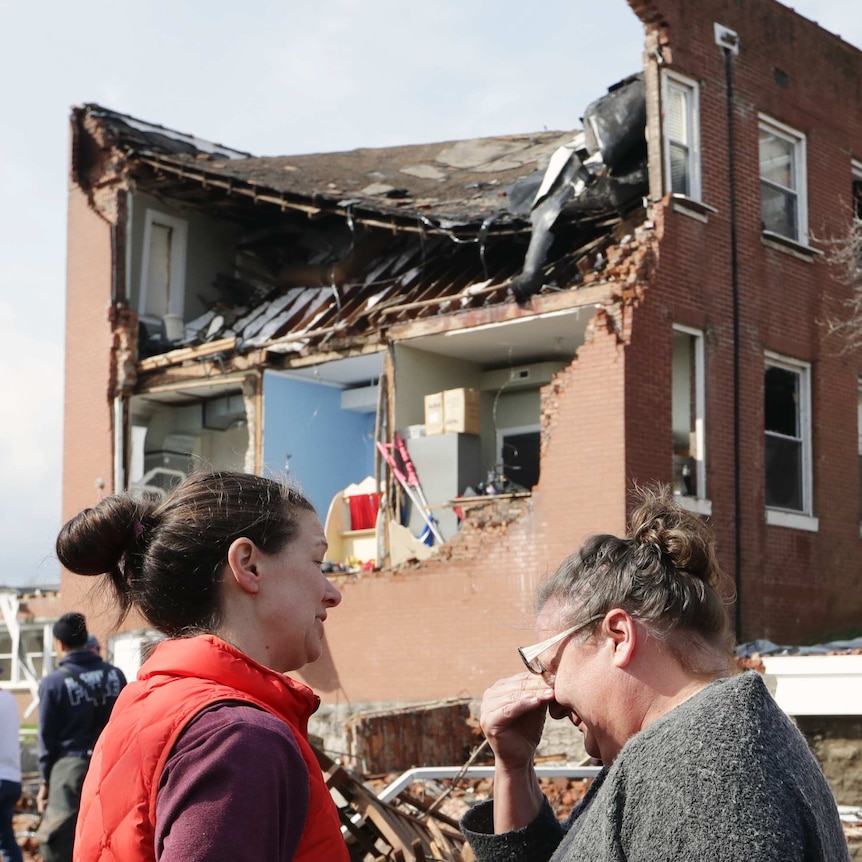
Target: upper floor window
(681, 136)
(783, 204)
(859, 443)
(688, 405)
(163, 266)
(856, 169)
(787, 420)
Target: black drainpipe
(734, 281)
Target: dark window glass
(784, 479)
(783, 473)
(521, 458)
(781, 401)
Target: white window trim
(855, 176)
(794, 520)
(800, 162)
(859, 432)
(786, 245)
(180, 228)
(670, 78)
(701, 502)
(697, 210)
(21, 676)
(790, 517)
(698, 505)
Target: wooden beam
(182, 354)
(565, 300)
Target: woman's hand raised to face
(513, 716)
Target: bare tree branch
(845, 255)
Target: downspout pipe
(118, 259)
(734, 284)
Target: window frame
(800, 160)
(855, 177)
(859, 444)
(21, 678)
(179, 248)
(700, 501)
(690, 88)
(799, 518)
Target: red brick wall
(87, 439)
(451, 627)
(795, 585)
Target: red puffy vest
(116, 822)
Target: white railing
(475, 773)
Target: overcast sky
(277, 78)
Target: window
(163, 268)
(681, 136)
(25, 662)
(519, 454)
(783, 204)
(856, 168)
(787, 419)
(688, 409)
(859, 444)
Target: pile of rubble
(26, 820)
(749, 656)
(420, 823)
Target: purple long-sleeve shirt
(234, 787)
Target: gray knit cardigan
(724, 777)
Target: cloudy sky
(278, 78)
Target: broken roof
(458, 182)
(344, 246)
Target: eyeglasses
(530, 654)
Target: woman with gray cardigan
(635, 650)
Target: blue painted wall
(329, 447)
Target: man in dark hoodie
(75, 702)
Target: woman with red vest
(206, 755)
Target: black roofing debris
(340, 245)
(603, 169)
(763, 647)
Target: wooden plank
(172, 357)
(410, 838)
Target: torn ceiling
(336, 249)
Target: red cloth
(363, 511)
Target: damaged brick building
(643, 299)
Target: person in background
(699, 763)
(93, 644)
(75, 702)
(206, 756)
(10, 774)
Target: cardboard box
(434, 413)
(461, 411)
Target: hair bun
(678, 535)
(96, 539)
